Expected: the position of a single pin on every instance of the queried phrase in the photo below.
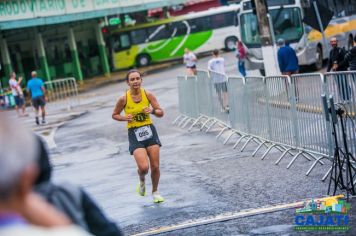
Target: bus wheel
(143, 60)
(319, 58)
(230, 43)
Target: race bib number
(143, 133)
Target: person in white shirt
(190, 61)
(17, 93)
(216, 67)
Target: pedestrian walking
(37, 91)
(22, 212)
(335, 63)
(241, 56)
(288, 62)
(216, 67)
(144, 144)
(350, 57)
(287, 59)
(190, 61)
(18, 95)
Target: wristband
(153, 111)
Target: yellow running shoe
(157, 198)
(141, 189)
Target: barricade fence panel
(191, 98)
(220, 96)
(313, 133)
(204, 94)
(237, 101)
(280, 110)
(341, 85)
(62, 93)
(181, 95)
(256, 109)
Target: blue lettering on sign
(299, 220)
(310, 220)
(322, 220)
(329, 221)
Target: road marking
(228, 216)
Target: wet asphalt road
(200, 177)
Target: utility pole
(267, 44)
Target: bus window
(249, 30)
(221, 20)
(180, 28)
(121, 42)
(199, 24)
(139, 36)
(158, 33)
(287, 24)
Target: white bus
(287, 23)
(166, 39)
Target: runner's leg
(153, 154)
(140, 155)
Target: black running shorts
(134, 143)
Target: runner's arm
(116, 115)
(155, 109)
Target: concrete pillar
(6, 60)
(19, 64)
(102, 52)
(75, 57)
(42, 57)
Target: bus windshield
(287, 24)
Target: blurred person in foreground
(71, 200)
(22, 212)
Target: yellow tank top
(135, 108)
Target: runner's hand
(147, 110)
(129, 117)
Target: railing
(275, 112)
(62, 93)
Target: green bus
(141, 45)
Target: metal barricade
(204, 100)
(62, 93)
(191, 100)
(342, 86)
(314, 134)
(181, 99)
(220, 96)
(237, 100)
